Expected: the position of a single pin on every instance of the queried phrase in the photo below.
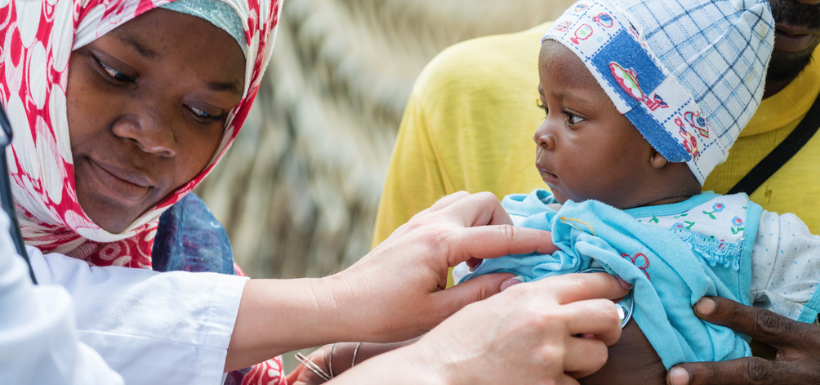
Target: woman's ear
(657, 160)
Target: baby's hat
(688, 74)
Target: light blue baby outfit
(673, 255)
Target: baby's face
(147, 105)
(585, 148)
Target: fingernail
(510, 282)
(705, 306)
(626, 285)
(678, 376)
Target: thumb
(476, 289)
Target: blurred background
(299, 190)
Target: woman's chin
(109, 216)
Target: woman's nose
(544, 137)
(150, 132)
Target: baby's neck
(674, 183)
(657, 198)
(666, 201)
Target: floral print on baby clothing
(714, 229)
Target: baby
(643, 98)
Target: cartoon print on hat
(604, 20)
(698, 122)
(655, 103)
(582, 33)
(627, 79)
(563, 26)
(689, 141)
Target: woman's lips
(120, 184)
(791, 39)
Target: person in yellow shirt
(469, 122)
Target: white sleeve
(150, 327)
(39, 344)
(786, 267)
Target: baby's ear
(657, 160)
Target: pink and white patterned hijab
(36, 39)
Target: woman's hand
(335, 359)
(394, 293)
(529, 334)
(797, 347)
(304, 376)
(397, 291)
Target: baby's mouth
(547, 176)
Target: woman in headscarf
(119, 110)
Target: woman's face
(147, 106)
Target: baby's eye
(573, 119)
(114, 74)
(542, 106)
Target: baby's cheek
(632, 360)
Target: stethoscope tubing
(5, 193)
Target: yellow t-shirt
(470, 119)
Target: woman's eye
(574, 119)
(204, 116)
(114, 74)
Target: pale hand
(397, 291)
(547, 332)
(394, 293)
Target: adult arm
(530, 333)
(185, 326)
(394, 293)
(797, 347)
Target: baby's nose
(543, 137)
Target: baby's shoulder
(715, 226)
